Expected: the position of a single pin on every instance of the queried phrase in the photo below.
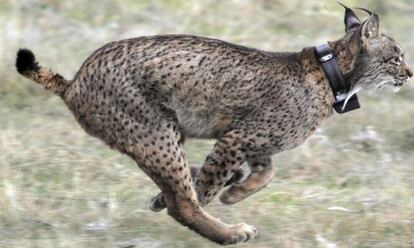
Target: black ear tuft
(26, 61)
(351, 20)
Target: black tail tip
(26, 61)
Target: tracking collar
(340, 87)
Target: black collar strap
(340, 87)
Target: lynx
(144, 96)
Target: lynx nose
(409, 73)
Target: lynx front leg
(262, 172)
(220, 166)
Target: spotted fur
(143, 96)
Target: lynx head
(372, 60)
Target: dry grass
(350, 185)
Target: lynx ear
(350, 20)
(370, 28)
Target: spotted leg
(157, 203)
(262, 172)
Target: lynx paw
(157, 203)
(237, 193)
(241, 233)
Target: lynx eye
(395, 60)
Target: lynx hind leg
(168, 168)
(157, 203)
(262, 172)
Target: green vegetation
(350, 185)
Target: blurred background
(350, 185)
